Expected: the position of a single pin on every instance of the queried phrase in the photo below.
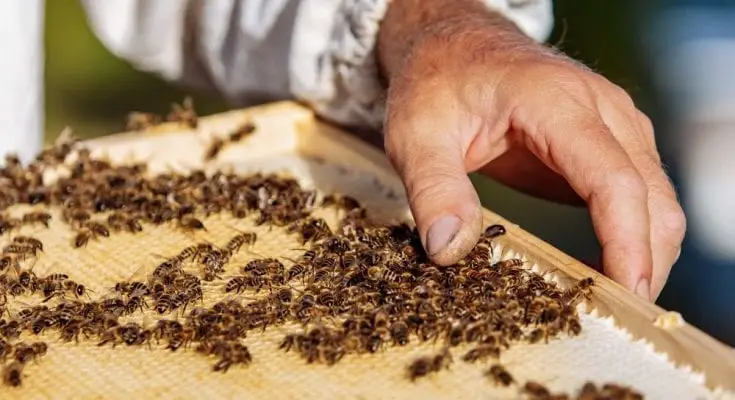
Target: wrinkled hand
(538, 122)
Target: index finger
(574, 141)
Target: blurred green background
(92, 91)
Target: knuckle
(569, 84)
(559, 80)
(645, 122)
(646, 129)
(648, 162)
(629, 180)
(673, 221)
(620, 96)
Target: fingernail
(643, 289)
(441, 233)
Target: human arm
(468, 91)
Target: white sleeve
(155, 36)
(333, 62)
(21, 77)
(319, 52)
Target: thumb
(429, 158)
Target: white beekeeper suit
(319, 52)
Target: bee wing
(258, 255)
(65, 136)
(140, 274)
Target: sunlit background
(636, 46)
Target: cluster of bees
(358, 287)
(183, 113)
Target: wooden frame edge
(685, 345)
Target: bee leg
(49, 297)
(223, 365)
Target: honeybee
(237, 241)
(236, 354)
(28, 280)
(342, 202)
(534, 310)
(37, 217)
(96, 228)
(493, 231)
(588, 391)
(133, 224)
(128, 334)
(482, 352)
(10, 329)
(237, 284)
(615, 391)
(215, 147)
(536, 391)
(574, 327)
(58, 289)
(188, 253)
(29, 241)
(12, 161)
(165, 269)
(399, 333)
(283, 295)
(5, 349)
(13, 374)
(164, 303)
(180, 338)
(76, 288)
(132, 289)
(82, 238)
(133, 304)
(582, 289)
(76, 215)
(184, 113)
(242, 132)
(72, 330)
(551, 312)
(137, 121)
(295, 271)
(8, 224)
(10, 260)
(25, 352)
(508, 264)
(500, 375)
(311, 229)
(191, 223)
(20, 249)
(426, 365)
